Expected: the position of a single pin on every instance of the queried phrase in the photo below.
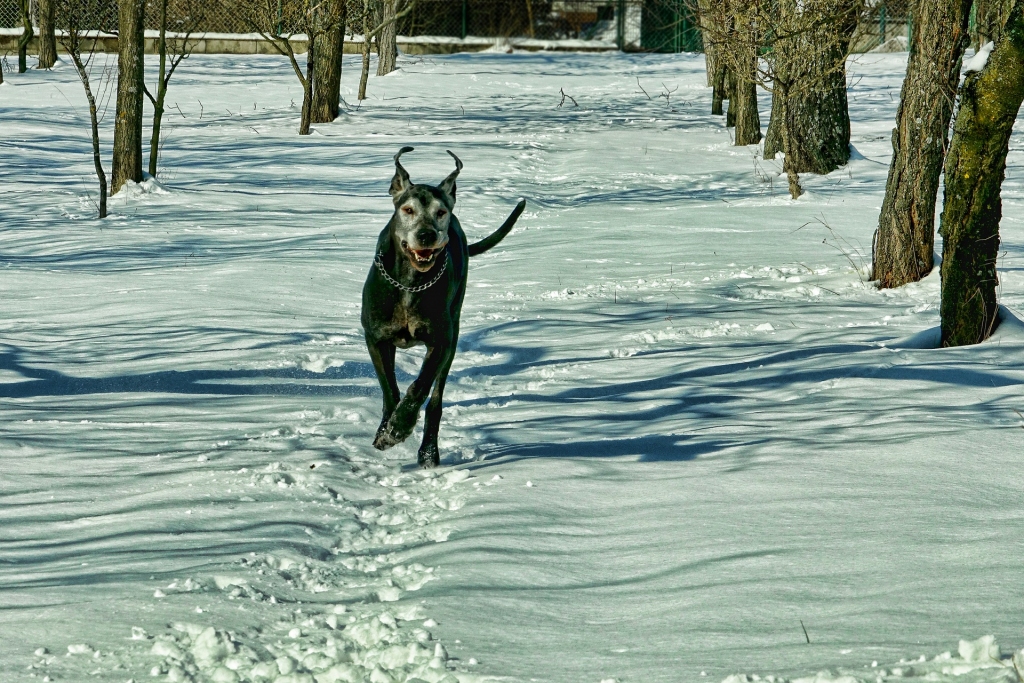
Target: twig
(805, 632)
(642, 88)
(564, 95)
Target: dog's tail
(499, 234)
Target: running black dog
(413, 295)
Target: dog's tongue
(423, 254)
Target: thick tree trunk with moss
(127, 163)
(975, 168)
(906, 225)
(328, 49)
(718, 93)
(47, 37)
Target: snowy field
(681, 428)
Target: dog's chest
(408, 327)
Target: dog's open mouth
(423, 256)
(422, 259)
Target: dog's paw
(398, 427)
(428, 456)
(384, 440)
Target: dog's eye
(408, 210)
(441, 213)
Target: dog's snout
(426, 236)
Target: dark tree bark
(975, 168)
(773, 139)
(817, 112)
(718, 92)
(127, 163)
(387, 40)
(329, 47)
(307, 89)
(906, 226)
(818, 119)
(47, 38)
(730, 94)
(26, 36)
(748, 120)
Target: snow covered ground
(681, 428)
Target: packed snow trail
(679, 424)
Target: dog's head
(422, 214)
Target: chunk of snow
(980, 59)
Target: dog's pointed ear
(448, 184)
(400, 183)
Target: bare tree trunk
(47, 38)
(26, 36)
(365, 73)
(712, 60)
(307, 88)
(718, 92)
(127, 164)
(387, 40)
(748, 120)
(906, 226)
(730, 94)
(773, 139)
(158, 102)
(818, 115)
(975, 168)
(72, 43)
(329, 46)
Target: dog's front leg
(403, 419)
(429, 456)
(382, 353)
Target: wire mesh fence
(641, 25)
(885, 26)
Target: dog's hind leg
(382, 354)
(429, 456)
(402, 421)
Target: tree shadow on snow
(292, 381)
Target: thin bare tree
(370, 32)
(76, 16)
(279, 21)
(25, 38)
(187, 16)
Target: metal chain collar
(406, 288)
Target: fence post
(881, 23)
(464, 19)
(620, 24)
(280, 17)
